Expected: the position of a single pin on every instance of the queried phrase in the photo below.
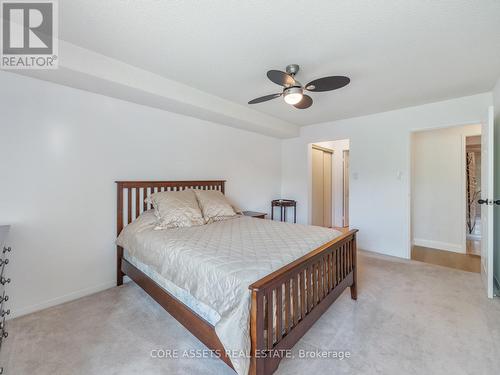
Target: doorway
(473, 193)
(329, 183)
(321, 186)
(446, 180)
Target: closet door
(317, 187)
(321, 187)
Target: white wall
(338, 148)
(379, 166)
(61, 150)
(439, 187)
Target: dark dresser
(4, 281)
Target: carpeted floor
(410, 318)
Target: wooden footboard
(286, 303)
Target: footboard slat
(310, 289)
(295, 286)
(342, 262)
(315, 284)
(270, 320)
(339, 264)
(345, 260)
(287, 302)
(302, 276)
(320, 280)
(279, 313)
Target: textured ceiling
(397, 53)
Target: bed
(242, 286)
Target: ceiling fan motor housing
(292, 69)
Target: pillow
(214, 205)
(176, 209)
(144, 222)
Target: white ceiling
(398, 53)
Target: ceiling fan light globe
(293, 98)
(293, 95)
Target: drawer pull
(5, 334)
(4, 281)
(7, 249)
(4, 299)
(3, 261)
(5, 312)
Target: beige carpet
(410, 318)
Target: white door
(486, 201)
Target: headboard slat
(129, 205)
(137, 202)
(144, 196)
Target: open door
(486, 201)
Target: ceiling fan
(293, 91)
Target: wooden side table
(258, 215)
(283, 204)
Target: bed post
(257, 334)
(119, 227)
(354, 287)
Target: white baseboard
(62, 299)
(456, 248)
(473, 236)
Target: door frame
(345, 183)
(489, 239)
(464, 156)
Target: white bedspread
(216, 263)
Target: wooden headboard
(131, 196)
(130, 203)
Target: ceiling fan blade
(327, 83)
(306, 102)
(264, 98)
(280, 78)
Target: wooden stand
(283, 204)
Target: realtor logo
(29, 34)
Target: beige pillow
(176, 209)
(214, 205)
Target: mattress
(210, 267)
